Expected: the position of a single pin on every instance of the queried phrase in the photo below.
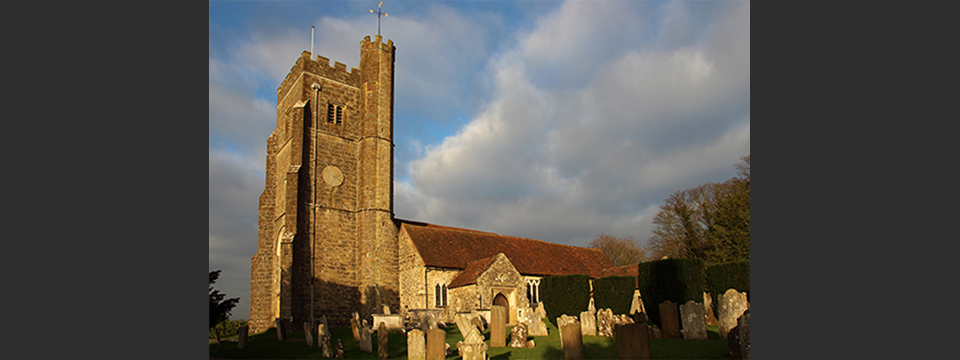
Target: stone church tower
(326, 235)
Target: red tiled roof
(626, 270)
(470, 274)
(450, 247)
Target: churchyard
(266, 346)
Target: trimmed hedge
(228, 328)
(721, 277)
(677, 280)
(566, 294)
(614, 292)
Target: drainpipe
(313, 241)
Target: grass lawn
(266, 346)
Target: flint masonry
(327, 232)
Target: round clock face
(332, 176)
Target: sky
(552, 120)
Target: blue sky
(554, 120)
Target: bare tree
(620, 251)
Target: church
(328, 243)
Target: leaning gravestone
(694, 325)
(744, 324)
(518, 336)
(308, 333)
(535, 324)
(382, 341)
(709, 314)
(730, 305)
(242, 337)
(498, 326)
(355, 328)
(588, 323)
(463, 324)
(630, 342)
(416, 345)
(669, 320)
(365, 342)
(436, 341)
(326, 349)
(605, 323)
(281, 331)
(571, 337)
(473, 347)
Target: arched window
(440, 295)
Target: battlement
(319, 67)
(366, 43)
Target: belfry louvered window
(335, 114)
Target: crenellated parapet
(320, 68)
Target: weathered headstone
(541, 311)
(518, 336)
(622, 319)
(605, 323)
(635, 305)
(588, 323)
(355, 327)
(427, 321)
(477, 321)
(416, 345)
(436, 339)
(366, 344)
(382, 340)
(629, 339)
(281, 333)
(571, 337)
(535, 324)
(708, 307)
(744, 324)
(463, 324)
(733, 342)
(339, 354)
(498, 326)
(730, 305)
(242, 338)
(654, 332)
(386, 310)
(473, 347)
(326, 348)
(693, 321)
(591, 307)
(308, 333)
(670, 320)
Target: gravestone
(416, 345)
(693, 321)
(591, 307)
(382, 341)
(535, 324)
(472, 347)
(654, 332)
(386, 310)
(708, 307)
(498, 326)
(518, 336)
(436, 341)
(281, 333)
(571, 337)
(588, 323)
(242, 338)
(324, 340)
(744, 324)
(622, 319)
(427, 321)
(669, 320)
(635, 304)
(605, 323)
(541, 311)
(629, 339)
(339, 354)
(365, 342)
(477, 321)
(733, 342)
(730, 305)
(463, 324)
(308, 333)
(355, 328)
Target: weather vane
(378, 12)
